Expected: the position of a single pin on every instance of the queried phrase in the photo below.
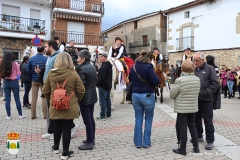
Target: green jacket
(74, 83)
(185, 94)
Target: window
(10, 10)
(15, 52)
(187, 14)
(35, 17)
(135, 24)
(145, 40)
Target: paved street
(114, 137)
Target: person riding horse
(188, 55)
(157, 57)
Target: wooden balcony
(94, 7)
(79, 38)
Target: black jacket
(24, 76)
(88, 75)
(105, 76)
(208, 80)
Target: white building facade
(17, 18)
(210, 27)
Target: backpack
(60, 99)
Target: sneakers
(199, 140)
(74, 130)
(209, 146)
(22, 116)
(47, 136)
(55, 149)
(66, 155)
(86, 146)
(8, 118)
(100, 118)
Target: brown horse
(162, 71)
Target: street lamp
(36, 29)
(104, 38)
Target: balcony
(79, 38)
(78, 7)
(184, 42)
(12, 26)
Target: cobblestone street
(114, 137)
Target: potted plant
(13, 20)
(42, 32)
(4, 17)
(17, 21)
(29, 28)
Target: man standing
(104, 85)
(157, 57)
(209, 85)
(36, 62)
(72, 51)
(172, 73)
(59, 44)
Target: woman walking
(63, 119)
(88, 75)
(144, 79)
(10, 71)
(26, 81)
(184, 93)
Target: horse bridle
(96, 59)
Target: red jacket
(225, 78)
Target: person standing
(172, 73)
(227, 83)
(72, 51)
(26, 81)
(37, 61)
(10, 71)
(144, 79)
(62, 72)
(209, 85)
(104, 85)
(1, 89)
(186, 106)
(234, 89)
(88, 75)
(59, 44)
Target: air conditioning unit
(96, 7)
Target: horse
(30, 51)
(116, 67)
(162, 71)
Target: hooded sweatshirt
(105, 76)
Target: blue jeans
(27, 88)
(143, 104)
(105, 102)
(230, 87)
(12, 85)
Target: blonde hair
(187, 66)
(63, 60)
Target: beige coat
(185, 94)
(74, 83)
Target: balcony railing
(79, 5)
(79, 38)
(20, 24)
(184, 42)
(142, 43)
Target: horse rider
(188, 55)
(157, 57)
(72, 51)
(60, 45)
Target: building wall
(215, 26)
(228, 57)
(25, 11)
(14, 44)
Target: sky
(117, 11)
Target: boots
(66, 154)
(196, 150)
(86, 146)
(180, 151)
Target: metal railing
(20, 24)
(185, 42)
(79, 38)
(79, 5)
(142, 43)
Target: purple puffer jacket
(224, 78)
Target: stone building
(17, 18)
(209, 26)
(140, 33)
(79, 21)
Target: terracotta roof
(132, 19)
(184, 6)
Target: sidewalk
(114, 137)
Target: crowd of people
(69, 83)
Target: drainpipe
(166, 35)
